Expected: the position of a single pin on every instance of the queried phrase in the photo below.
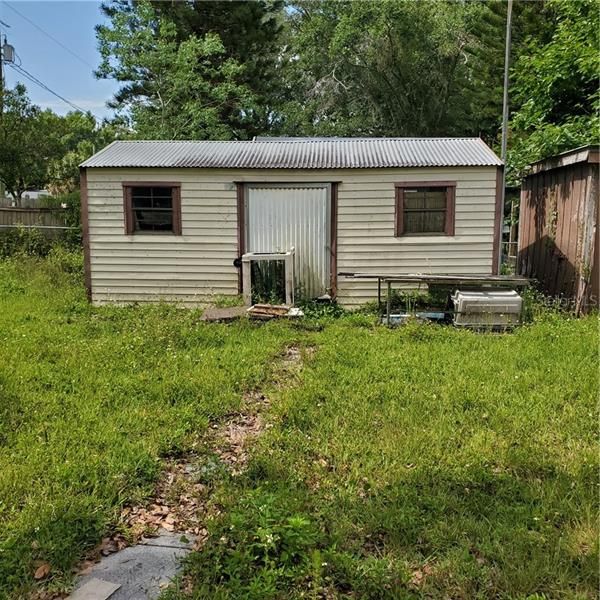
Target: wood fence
(43, 218)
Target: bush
(25, 241)
(316, 309)
(72, 206)
(66, 259)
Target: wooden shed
(558, 227)
(171, 220)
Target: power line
(35, 80)
(50, 36)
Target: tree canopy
(555, 86)
(236, 69)
(40, 149)
(28, 141)
(200, 70)
(230, 70)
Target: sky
(69, 72)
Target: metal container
(490, 309)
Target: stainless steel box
(487, 309)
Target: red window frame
(128, 206)
(450, 187)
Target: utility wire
(50, 36)
(35, 80)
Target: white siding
(147, 267)
(198, 264)
(366, 242)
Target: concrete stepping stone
(135, 573)
(95, 589)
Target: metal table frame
(493, 281)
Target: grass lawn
(420, 462)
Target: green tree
(251, 33)
(40, 149)
(556, 87)
(27, 142)
(79, 136)
(386, 67)
(180, 80)
(483, 89)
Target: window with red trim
(425, 208)
(152, 208)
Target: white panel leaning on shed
(168, 220)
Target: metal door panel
(279, 217)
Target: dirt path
(174, 521)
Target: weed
(420, 462)
(318, 309)
(430, 462)
(92, 398)
(24, 241)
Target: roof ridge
(301, 140)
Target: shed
(558, 227)
(170, 220)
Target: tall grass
(423, 462)
(91, 399)
(417, 462)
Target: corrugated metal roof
(587, 153)
(300, 153)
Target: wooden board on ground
(224, 314)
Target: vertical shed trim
(333, 237)
(128, 210)
(499, 213)
(176, 203)
(399, 209)
(241, 228)
(450, 209)
(85, 232)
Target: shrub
(316, 309)
(23, 240)
(66, 259)
(72, 206)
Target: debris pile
(262, 312)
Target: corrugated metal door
(281, 216)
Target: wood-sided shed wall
(197, 265)
(558, 232)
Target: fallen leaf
(108, 546)
(42, 571)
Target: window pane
(141, 192)
(424, 221)
(161, 192)
(152, 208)
(141, 201)
(425, 210)
(435, 198)
(153, 220)
(414, 199)
(161, 202)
